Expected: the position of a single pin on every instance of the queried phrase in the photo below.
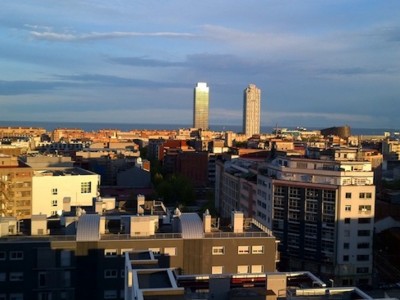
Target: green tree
(176, 190)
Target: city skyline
(320, 64)
(251, 110)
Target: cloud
(21, 87)
(73, 37)
(145, 62)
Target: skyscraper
(251, 110)
(200, 105)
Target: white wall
(67, 186)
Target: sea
(49, 126)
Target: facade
(201, 105)
(251, 110)
(55, 189)
(15, 188)
(322, 211)
(234, 187)
(90, 263)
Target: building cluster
(77, 220)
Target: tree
(176, 190)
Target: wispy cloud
(74, 37)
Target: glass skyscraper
(201, 99)
(251, 110)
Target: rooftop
(62, 172)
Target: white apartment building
(57, 189)
(322, 211)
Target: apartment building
(82, 257)
(322, 211)
(58, 189)
(15, 188)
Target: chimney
(207, 221)
(237, 221)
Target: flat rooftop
(154, 280)
(62, 172)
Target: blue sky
(317, 63)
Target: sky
(318, 63)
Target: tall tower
(200, 105)
(251, 110)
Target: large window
(171, 251)
(86, 187)
(110, 252)
(16, 276)
(257, 268)
(110, 273)
(243, 269)
(364, 208)
(16, 255)
(218, 250)
(217, 270)
(243, 249)
(364, 233)
(257, 249)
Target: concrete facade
(52, 188)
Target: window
(217, 269)
(110, 294)
(65, 258)
(347, 220)
(218, 250)
(110, 252)
(42, 279)
(348, 195)
(16, 276)
(364, 208)
(362, 257)
(364, 233)
(86, 187)
(363, 270)
(54, 191)
(171, 251)
(257, 268)
(364, 220)
(54, 202)
(3, 255)
(257, 249)
(243, 269)
(345, 258)
(243, 250)
(45, 296)
(16, 255)
(16, 296)
(362, 195)
(363, 246)
(347, 208)
(346, 245)
(110, 273)
(2, 276)
(368, 195)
